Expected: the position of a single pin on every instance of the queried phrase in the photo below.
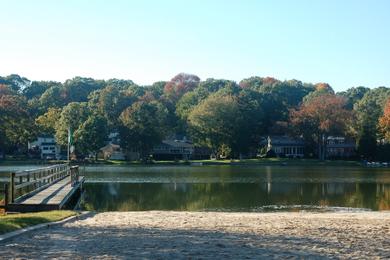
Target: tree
(52, 97)
(120, 83)
(47, 122)
(319, 90)
(143, 126)
(353, 95)
(72, 116)
(368, 110)
(283, 95)
(179, 85)
(228, 117)
(215, 122)
(91, 135)
(258, 83)
(15, 82)
(16, 124)
(320, 117)
(255, 109)
(37, 88)
(78, 89)
(384, 122)
(110, 102)
(191, 99)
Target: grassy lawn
(13, 222)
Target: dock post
(6, 196)
(12, 187)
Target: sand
(210, 235)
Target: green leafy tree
(368, 111)
(91, 135)
(16, 124)
(119, 83)
(15, 82)
(143, 126)
(47, 122)
(353, 95)
(72, 116)
(78, 89)
(52, 97)
(37, 88)
(255, 109)
(215, 122)
(283, 95)
(110, 102)
(191, 99)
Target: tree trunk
(319, 147)
(322, 147)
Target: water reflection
(234, 196)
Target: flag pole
(68, 145)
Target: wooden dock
(49, 188)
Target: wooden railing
(74, 175)
(25, 183)
(4, 199)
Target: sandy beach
(213, 235)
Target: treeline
(227, 117)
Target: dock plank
(55, 190)
(53, 194)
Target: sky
(344, 43)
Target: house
(173, 150)
(285, 146)
(112, 152)
(46, 146)
(340, 147)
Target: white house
(47, 146)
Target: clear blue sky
(343, 42)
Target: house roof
(175, 143)
(286, 140)
(110, 146)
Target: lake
(235, 188)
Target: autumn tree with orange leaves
(180, 84)
(320, 117)
(384, 122)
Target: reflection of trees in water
(233, 196)
(384, 196)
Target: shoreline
(175, 234)
(244, 162)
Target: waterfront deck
(50, 188)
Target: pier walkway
(48, 188)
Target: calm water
(236, 188)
